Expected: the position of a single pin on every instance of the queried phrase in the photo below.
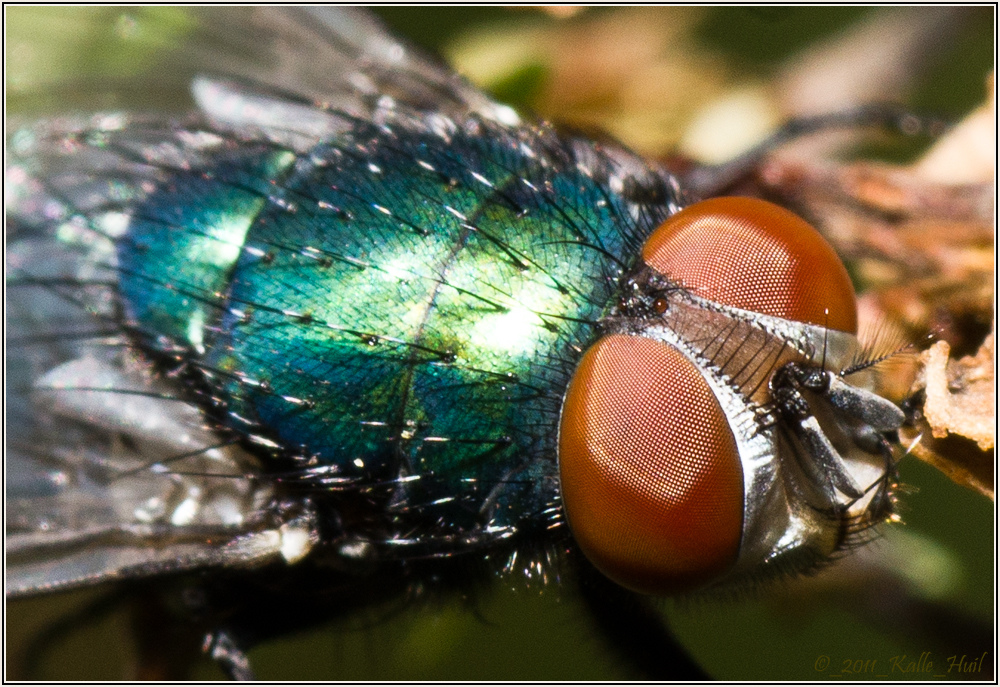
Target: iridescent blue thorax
(402, 305)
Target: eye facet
(751, 254)
(651, 478)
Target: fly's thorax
(396, 305)
(703, 439)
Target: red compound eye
(754, 255)
(651, 479)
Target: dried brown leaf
(957, 433)
(920, 239)
(960, 395)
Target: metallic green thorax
(397, 303)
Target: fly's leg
(825, 467)
(714, 180)
(166, 636)
(632, 625)
(226, 651)
(861, 414)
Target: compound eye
(651, 480)
(754, 255)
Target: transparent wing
(141, 58)
(110, 472)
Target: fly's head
(709, 437)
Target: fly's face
(703, 437)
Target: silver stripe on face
(817, 344)
(765, 504)
(788, 520)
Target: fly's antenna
(880, 341)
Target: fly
(372, 336)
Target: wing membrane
(111, 473)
